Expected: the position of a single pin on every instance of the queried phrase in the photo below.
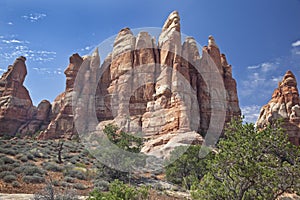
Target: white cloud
(277, 79)
(48, 71)
(88, 48)
(254, 67)
(10, 23)
(266, 67)
(14, 41)
(251, 113)
(11, 48)
(34, 17)
(296, 44)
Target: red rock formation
(61, 125)
(17, 114)
(285, 104)
(167, 90)
(164, 90)
(15, 102)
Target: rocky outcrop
(62, 125)
(18, 116)
(166, 91)
(285, 105)
(39, 121)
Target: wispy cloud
(251, 113)
(296, 44)
(10, 23)
(260, 80)
(34, 17)
(11, 48)
(254, 67)
(14, 41)
(264, 67)
(48, 71)
(87, 48)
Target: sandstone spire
(17, 113)
(284, 104)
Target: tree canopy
(251, 164)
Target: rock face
(158, 90)
(165, 91)
(285, 104)
(61, 125)
(162, 90)
(17, 114)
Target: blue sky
(261, 38)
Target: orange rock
(285, 104)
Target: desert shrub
(52, 167)
(16, 184)
(33, 179)
(24, 159)
(101, 185)
(28, 169)
(6, 160)
(6, 146)
(75, 174)
(66, 185)
(31, 170)
(7, 173)
(118, 190)
(9, 178)
(49, 193)
(38, 154)
(56, 183)
(8, 151)
(30, 157)
(69, 179)
(6, 167)
(79, 186)
(21, 142)
(18, 156)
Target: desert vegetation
(246, 164)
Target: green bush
(186, 166)
(120, 191)
(69, 179)
(9, 178)
(79, 186)
(52, 167)
(16, 184)
(101, 185)
(48, 193)
(33, 179)
(7, 173)
(24, 159)
(75, 174)
(31, 170)
(6, 160)
(251, 164)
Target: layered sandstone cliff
(285, 105)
